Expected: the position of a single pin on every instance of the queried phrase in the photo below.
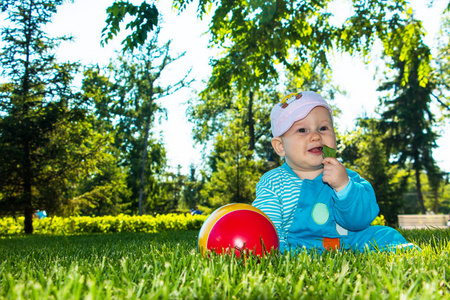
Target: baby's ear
(277, 144)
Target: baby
(315, 202)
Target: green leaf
(328, 152)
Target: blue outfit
(309, 213)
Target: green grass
(167, 266)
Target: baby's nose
(315, 136)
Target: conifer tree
(45, 139)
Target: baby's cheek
(334, 142)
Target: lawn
(167, 266)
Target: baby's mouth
(316, 150)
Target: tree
(105, 191)
(407, 117)
(212, 112)
(258, 36)
(192, 187)
(435, 192)
(145, 20)
(363, 151)
(441, 72)
(234, 173)
(125, 109)
(171, 187)
(46, 137)
(136, 88)
(435, 179)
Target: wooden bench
(422, 221)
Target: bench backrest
(422, 221)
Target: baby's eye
(302, 130)
(323, 128)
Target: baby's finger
(330, 160)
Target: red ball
(239, 227)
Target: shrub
(113, 224)
(105, 224)
(379, 221)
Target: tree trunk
(436, 201)
(419, 192)
(144, 156)
(146, 135)
(24, 131)
(28, 223)
(238, 180)
(251, 123)
(27, 186)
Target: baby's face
(303, 142)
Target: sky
(84, 20)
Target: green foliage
(407, 117)
(103, 193)
(125, 101)
(192, 189)
(234, 171)
(181, 193)
(167, 266)
(364, 151)
(444, 200)
(328, 152)
(261, 37)
(435, 200)
(105, 224)
(46, 137)
(171, 197)
(406, 47)
(145, 20)
(379, 220)
(95, 152)
(441, 74)
(395, 188)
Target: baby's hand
(334, 173)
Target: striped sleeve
(267, 201)
(277, 196)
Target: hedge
(105, 224)
(110, 224)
